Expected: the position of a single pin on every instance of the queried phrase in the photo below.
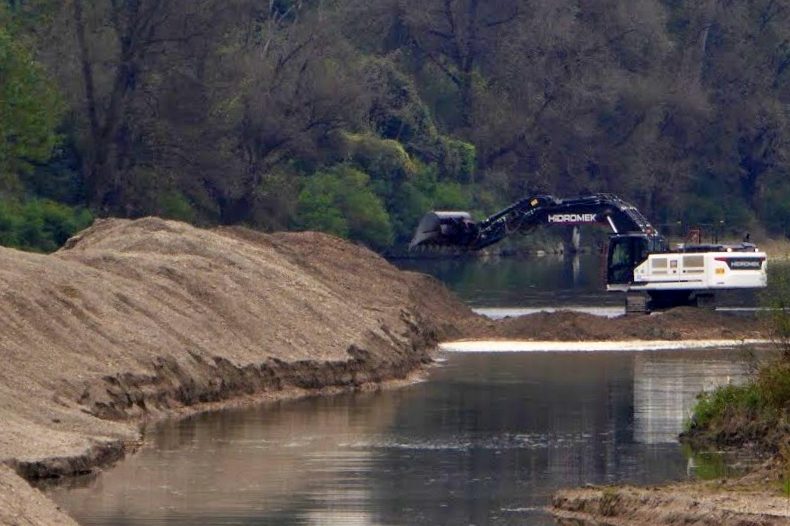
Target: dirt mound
(133, 318)
(677, 324)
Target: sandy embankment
(145, 318)
(140, 319)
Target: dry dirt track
(137, 319)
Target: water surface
(501, 286)
(485, 440)
(506, 282)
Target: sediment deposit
(754, 500)
(683, 323)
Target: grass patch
(766, 398)
(756, 413)
(725, 402)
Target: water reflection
(538, 282)
(485, 441)
(519, 281)
(666, 388)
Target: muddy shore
(752, 500)
(137, 320)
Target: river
(539, 283)
(485, 439)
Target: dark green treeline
(354, 117)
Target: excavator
(639, 263)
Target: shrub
(30, 109)
(340, 201)
(776, 299)
(39, 225)
(384, 160)
(773, 383)
(424, 192)
(459, 159)
(174, 205)
(725, 401)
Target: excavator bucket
(444, 229)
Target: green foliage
(30, 110)
(174, 205)
(397, 110)
(39, 225)
(720, 214)
(425, 192)
(443, 194)
(399, 113)
(766, 398)
(684, 112)
(408, 187)
(386, 160)
(61, 178)
(340, 201)
(459, 159)
(726, 402)
(275, 199)
(22, 17)
(773, 383)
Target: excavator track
(636, 303)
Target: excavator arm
(457, 229)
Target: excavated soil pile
(138, 318)
(685, 323)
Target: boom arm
(458, 230)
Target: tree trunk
(91, 162)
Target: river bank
(137, 320)
(751, 500)
(747, 418)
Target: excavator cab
(628, 251)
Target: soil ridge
(135, 320)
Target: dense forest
(356, 116)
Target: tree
(297, 86)
(224, 111)
(30, 110)
(128, 51)
(459, 37)
(340, 201)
